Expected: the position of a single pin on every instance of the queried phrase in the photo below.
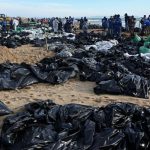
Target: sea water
(98, 21)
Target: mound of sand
(25, 53)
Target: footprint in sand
(106, 97)
(8, 102)
(87, 97)
(73, 100)
(97, 100)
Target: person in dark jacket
(110, 26)
(131, 23)
(85, 27)
(127, 22)
(4, 25)
(117, 26)
(60, 25)
(70, 22)
(142, 24)
(104, 23)
(146, 26)
(81, 23)
(11, 24)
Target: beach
(73, 91)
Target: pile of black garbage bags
(4, 110)
(112, 71)
(14, 40)
(48, 126)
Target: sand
(26, 53)
(73, 91)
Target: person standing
(117, 26)
(131, 23)
(15, 23)
(148, 18)
(85, 26)
(149, 24)
(11, 24)
(66, 25)
(20, 21)
(104, 23)
(127, 22)
(55, 25)
(81, 23)
(142, 24)
(60, 25)
(110, 26)
(146, 26)
(4, 25)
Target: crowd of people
(112, 26)
(9, 24)
(59, 25)
(145, 23)
(68, 24)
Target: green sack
(147, 39)
(136, 39)
(144, 50)
(147, 44)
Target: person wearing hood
(105, 23)
(126, 22)
(146, 26)
(55, 25)
(70, 23)
(142, 24)
(81, 23)
(60, 25)
(85, 26)
(117, 26)
(110, 26)
(11, 24)
(131, 23)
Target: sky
(76, 8)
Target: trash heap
(4, 110)
(48, 126)
(117, 68)
(34, 36)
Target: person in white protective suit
(55, 25)
(15, 23)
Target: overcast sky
(76, 8)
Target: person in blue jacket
(117, 26)
(148, 18)
(4, 25)
(146, 26)
(146, 22)
(105, 23)
(110, 26)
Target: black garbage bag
(138, 65)
(39, 43)
(4, 110)
(14, 76)
(108, 87)
(135, 85)
(45, 125)
(11, 44)
(58, 76)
